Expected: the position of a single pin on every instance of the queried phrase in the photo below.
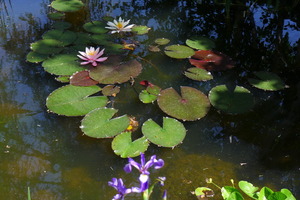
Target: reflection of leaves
(8, 111)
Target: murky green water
(49, 154)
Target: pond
(50, 154)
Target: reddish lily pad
(116, 72)
(110, 90)
(179, 51)
(211, 60)
(82, 78)
(191, 105)
(235, 101)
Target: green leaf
(267, 81)
(227, 191)
(198, 74)
(59, 25)
(35, 57)
(65, 37)
(235, 101)
(74, 101)
(140, 30)
(67, 5)
(95, 27)
(288, 194)
(146, 97)
(249, 189)
(235, 196)
(47, 46)
(110, 90)
(63, 79)
(123, 145)
(191, 105)
(98, 123)
(204, 192)
(170, 134)
(63, 64)
(56, 15)
(200, 43)
(162, 41)
(264, 193)
(179, 51)
(277, 196)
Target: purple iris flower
(144, 184)
(144, 166)
(120, 187)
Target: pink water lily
(92, 56)
(119, 26)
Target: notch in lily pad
(110, 90)
(67, 5)
(236, 101)
(200, 43)
(170, 134)
(123, 145)
(99, 123)
(267, 81)
(179, 51)
(82, 78)
(198, 74)
(96, 27)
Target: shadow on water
(49, 153)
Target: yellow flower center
(91, 53)
(120, 25)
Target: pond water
(50, 154)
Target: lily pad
(200, 43)
(67, 5)
(162, 41)
(110, 90)
(63, 79)
(98, 123)
(154, 48)
(204, 192)
(56, 15)
(140, 30)
(267, 81)
(102, 39)
(65, 37)
(170, 134)
(82, 39)
(116, 73)
(95, 27)
(47, 46)
(191, 105)
(146, 97)
(235, 101)
(211, 60)
(249, 189)
(74, 101)
(63, 64)
(35, 57)
(153, 89)
(198, 74)
(123, 145)
(179, 51)
(82, 78)
(59, 25)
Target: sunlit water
(49, 153)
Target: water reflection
(48, 152)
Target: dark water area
(50, 154)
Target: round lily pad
(267, 81)
(123, 145)
(82, 39)
(65, 37)
(98, 123)
(154, 48)
(74, 101)
(82, 78)
(95, 27)
(170, 134)
(110, 90)
(67, 5)
(101, 39)
(179, 51)
(198, 74)
(146, 97)
(235, 101)
(63, 64)
(35, 57)
(191, 105)
(63, 79)
(200, 43)
(162, 41)
(47, 46)
(116, 73)
(140, 30)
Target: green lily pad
(98, 123)
(146, 97)
(67, 5)
(47, 46)
(56, 15)
(267, 81)
(249, 189)
(162, 41)
(123, 145)
(35, 57)
(200, 43)
(239, 100)
(63, 64)
(198, 74)
(63, 79)
(191, 105)
(288, 194)
(61, 25)
(204, 192)
(179, 51)
(116, 73)
(82, 78)
(140, 30)
(113, 48)
(102, 39)
(82, 39)
(110, 90)
(153, 89)
(170, 134)
(74, 101)
(65, 37)
(95, 27)
(229, 192)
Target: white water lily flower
(92, 56)
(119, 26)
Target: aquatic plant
(92, 55)
(119, 26)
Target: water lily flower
(120, 187)
(92, 56)
(144, 166)
(119, 26)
